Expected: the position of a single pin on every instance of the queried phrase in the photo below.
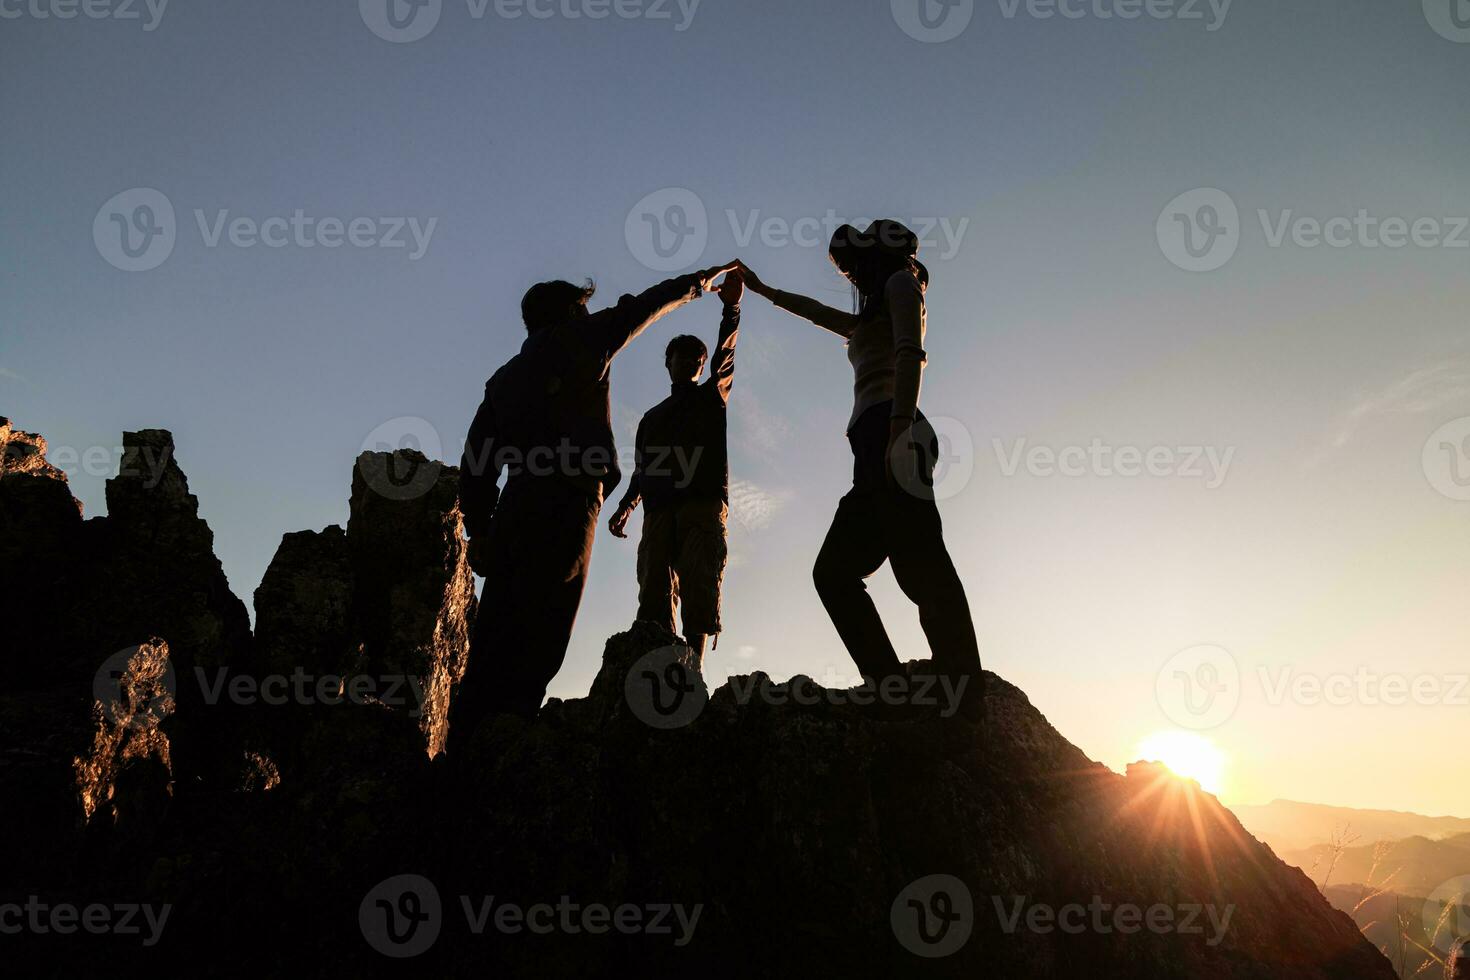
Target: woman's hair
(870, 269)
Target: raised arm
(840, 323)
(609, 331)
(906, 307)
(722, 362)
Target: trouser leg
(853, 551)
(700, 568)
(541, 552)
(657, 586)
(925, 572)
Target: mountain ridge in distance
(1290, 826)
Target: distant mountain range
(1290, 827)
(1414, 866)
(1388, 870)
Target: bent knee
(831, 577)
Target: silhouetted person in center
(682, 475)
(545, 421)
(890, 513)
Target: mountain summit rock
(654, 827)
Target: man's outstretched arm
(610, 330)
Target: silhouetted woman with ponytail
(890, 513)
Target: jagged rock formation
(810, 837)
(79, 599)
(413, 591)
(798, 830)
(40, 523)
(386, 606)
(152, 572)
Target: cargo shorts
(681, 560)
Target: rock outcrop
(386, 607)
(651, 828)
(413, 599)
(40, 529)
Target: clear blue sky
(1054, 142)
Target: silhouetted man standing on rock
(683, 478)
(547, 423)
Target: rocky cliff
(305, 822)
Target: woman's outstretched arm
(840, 323)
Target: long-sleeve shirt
(680, 451)
(886, 349)
(546, 412)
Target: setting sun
(1188, 755)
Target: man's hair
(546, 303)
(685, 344)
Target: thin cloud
(759, 431)
(751, 507)
(7, 373)
(1423, 390)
